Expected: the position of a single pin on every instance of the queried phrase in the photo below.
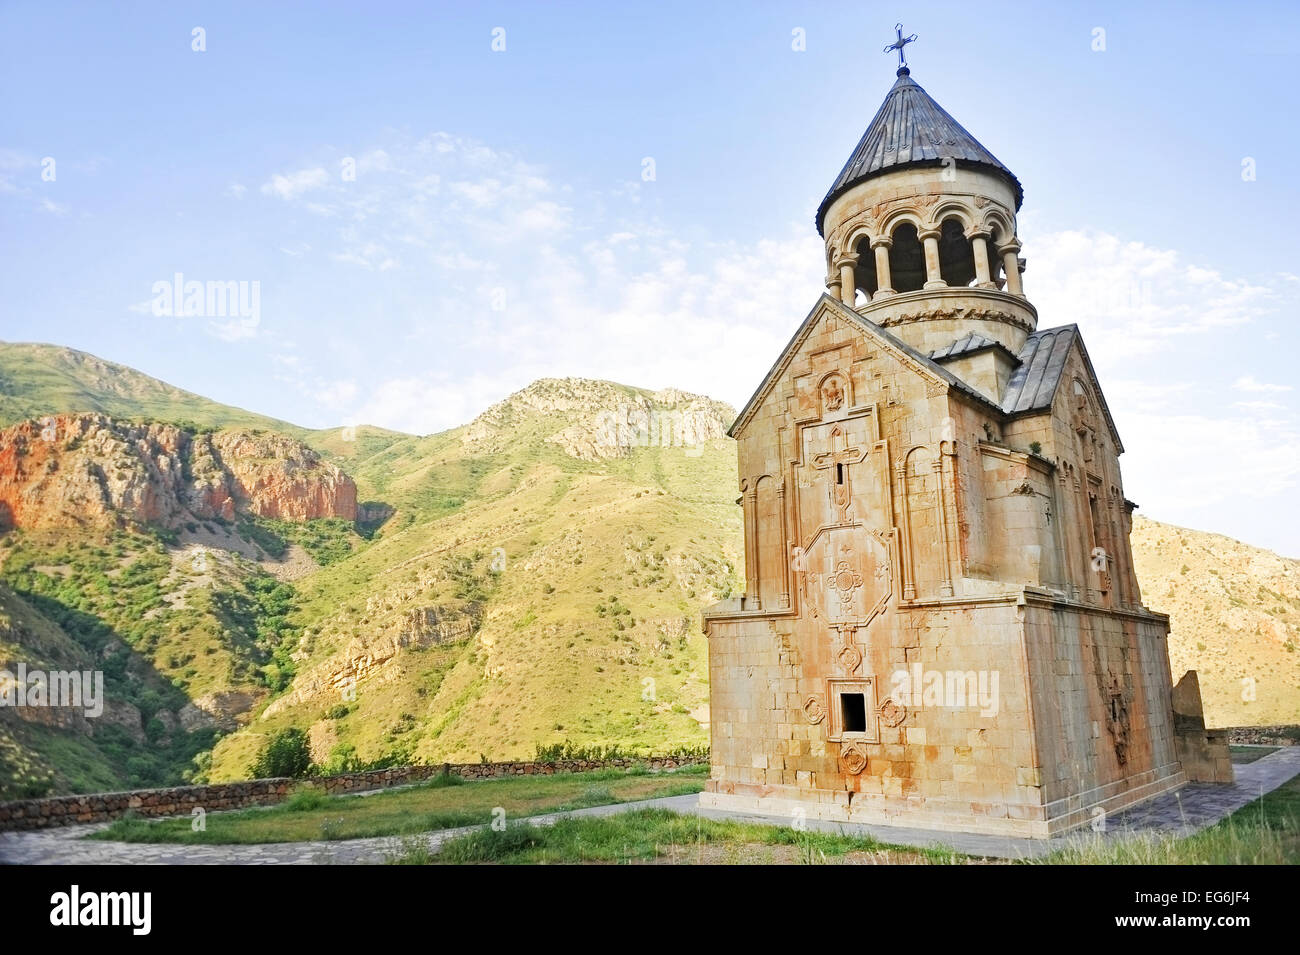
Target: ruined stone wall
(1203, 753)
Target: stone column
(847, 264)
(833, 285)
(785, 568)
(945, 587)
(1011, 266)
(881, 247)
(905, 525)
(983, 268)
(750, 498)
(933, 279)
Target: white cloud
(1132, 294)
(294, 184)
(236, 329)
(1249, 383)
(483, 193)
(367, 255)
(336, 394)
(236, 190)
(515, 279)
(1251, 456)
(424, 406)
(1146, 313)
(21, 176)
(375, 161)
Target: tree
(287, 754)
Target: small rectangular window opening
(839, 473)
(853, 710)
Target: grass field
(445, 802)
(1250, 753)
(661, 836)
(1266, 832)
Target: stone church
(941, 625)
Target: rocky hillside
(540, 581)
(605, 420)
(1234, 617)
(155, 555)
(89, 470)
(30, 737)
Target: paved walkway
(1182, 812)
(66, 845)
(1190, 809)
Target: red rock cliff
(93, 470)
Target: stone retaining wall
(181, 800)
(1265, 735)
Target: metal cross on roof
(898, 45)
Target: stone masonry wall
(180, 800)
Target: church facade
(941, 625)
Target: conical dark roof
(911, 129)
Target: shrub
(287, 754)
(306, 799)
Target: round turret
(920, 229)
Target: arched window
(1082, 398)
(906, 259)
(865, 276)
(956, 257)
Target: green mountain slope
(47, 749)
(532, 587)
(38, 380)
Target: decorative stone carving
(814, 710)
(1117, 720)
(840, 459)
(959, 312)
(892, 713)
(833, 393)
(845, 581)
(853, 758)
(850, 657)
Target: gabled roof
(968, 345)
(910, 128)
(1035, 381)
(903, 351)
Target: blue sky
(499, 227)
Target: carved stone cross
(838, 460)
